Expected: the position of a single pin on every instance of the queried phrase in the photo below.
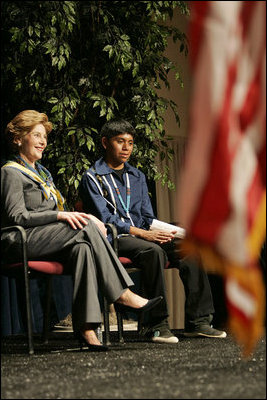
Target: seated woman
(30, 199)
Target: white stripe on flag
(240, 298)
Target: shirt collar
(102, 168)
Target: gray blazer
(23, 203)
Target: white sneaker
(206, 331)
(165, 336)
(159, 333)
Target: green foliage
(84, 63)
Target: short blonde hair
(22, 124)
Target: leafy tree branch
(87, 62)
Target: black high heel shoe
(91, 347)
(150, 304)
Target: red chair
(30, 269)
(33, 269)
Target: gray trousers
(88, 256)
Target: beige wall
(176, 93)
(175, 290)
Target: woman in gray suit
(30, 199)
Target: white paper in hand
(164, 226)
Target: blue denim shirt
(94, 202)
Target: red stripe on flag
(214, 205)
(196, 30)
(248, 7)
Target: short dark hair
(114, 128)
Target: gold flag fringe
(246, 332)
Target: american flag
(222, 200)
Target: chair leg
(140, 322)
(28, 310)
(48, 294)
(106, 339)
(142, 315)
(120, 327)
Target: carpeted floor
(193, 369)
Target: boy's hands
(153, 236)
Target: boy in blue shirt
(117, 193)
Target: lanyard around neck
(128, 195)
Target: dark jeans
(152, 259)
(198, 295)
